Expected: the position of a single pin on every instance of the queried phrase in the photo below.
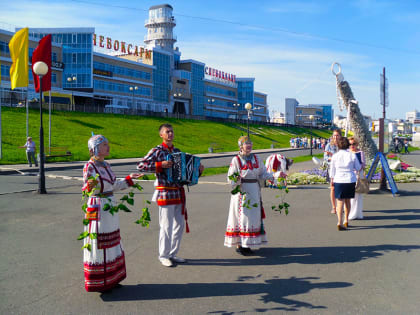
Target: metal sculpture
(347, 101)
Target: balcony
(155, 36)
(160, 20)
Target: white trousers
(171, 223)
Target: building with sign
(94, 72)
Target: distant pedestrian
(396, 145)
(330, 149)
(406, 146)
(343, 166)
(30, 151)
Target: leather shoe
(178, 260)
(166, 262)
(340, 228)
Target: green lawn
(131, 136)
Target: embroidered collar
(169, 148)
(97, 162)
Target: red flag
(43, 53)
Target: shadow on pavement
(274, 290)
(306, 255)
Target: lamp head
(248, 106)
(311, 117)
(40, 68)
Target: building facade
(93, 72)
(315, 114)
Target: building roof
(161, 6)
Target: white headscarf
(94, 142)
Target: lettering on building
(57, 64)
(121, 47)
(102, 72)
(220, 74)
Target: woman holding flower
(245, 227)
(103, 255)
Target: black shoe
(244, 251)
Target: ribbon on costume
(184, 209)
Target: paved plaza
(307, 267)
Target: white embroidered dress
(104, 264)
(245, 225)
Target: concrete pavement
(307, 267)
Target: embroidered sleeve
(233, 168)
(88, 171)
(149, 162)
(262, 171)
(123, 183)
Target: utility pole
(382, 185)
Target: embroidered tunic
(166, 193)
(104, 265)
(245, 226)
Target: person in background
(356, 203)
(330, 149)
(343, 166)
(30, 151)
(406, 146)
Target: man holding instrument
(169, 196)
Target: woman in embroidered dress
(104, 263)
(245, 228)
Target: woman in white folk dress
(245, 227)
(104, 263)
(356, 203)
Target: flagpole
(49, 124)
(1, 143)
(40, 69)
(27, 114)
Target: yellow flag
(19, 53)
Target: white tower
(159, 27)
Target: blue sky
(288, 46)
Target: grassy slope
(130, 136)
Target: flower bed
(318, 176)
(313, 176)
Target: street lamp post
(236, 106)
(132, 89)
(211, 101)
(248, 107)
(40, 68)
(71, 80)
(311, 118)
